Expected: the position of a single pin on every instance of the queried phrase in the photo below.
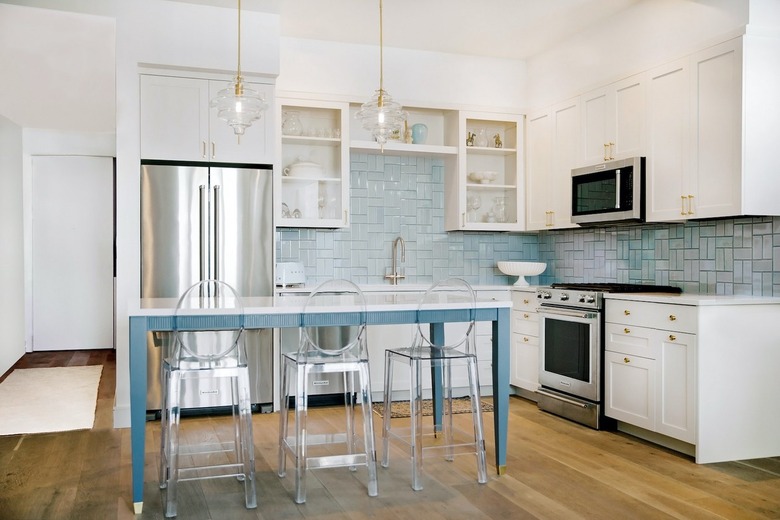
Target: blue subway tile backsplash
(403, 196)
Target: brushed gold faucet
(395, 276)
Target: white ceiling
(62, 67)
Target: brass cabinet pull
(690, 204)
(606, 158)
(525, 302)
(611, 150)
(672, 317)
(672, 337)
(627, 331)
(626, 360)
(682, 205)
(627, 312)
(525, 339)
(525, 316)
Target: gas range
(591, 295)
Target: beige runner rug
(40, 400)
(401, 408)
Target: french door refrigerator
(207, 221)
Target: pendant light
(239, 106)
(381, 115)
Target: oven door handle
(569, 313)
(560, 398)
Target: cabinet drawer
(630, 340)
(526, 339)
(680, 318)
(524, 301)
(527, 322)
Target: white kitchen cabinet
(177, 123)
(650, 366)
(552, 137)
(487, 190)
(319, 197)
(613, 121)
(524, 353)
(712, 132)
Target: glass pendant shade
(381, 116)
(239, 106)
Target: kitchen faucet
(394, 276)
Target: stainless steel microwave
(609, 192)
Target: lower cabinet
(524, 345)
(650, 367)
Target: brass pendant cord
(239, 89)
(381, 100)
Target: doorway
(72, 253)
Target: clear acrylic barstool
(428, 348)
(346, 353)
(206, 354)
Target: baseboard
(658, 438)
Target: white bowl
(521, 270)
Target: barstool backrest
(331, 298)
(209, 347)
(454, 291)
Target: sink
(521, 270)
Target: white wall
(11, 246)
(413, 78)
(649, 34)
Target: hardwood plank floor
(556, 470)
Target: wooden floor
(556, 470)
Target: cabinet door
(630, 389)
(524, 357)
(380, 338)
(566, 125)
(539, 150)
(675, 415)
(613, 120)
(255, 146)
(717, 131)
(174, 118)
(668, 163)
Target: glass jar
(291, 124)
(499, 209)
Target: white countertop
(695, 299)
(400, 288)
(375, 302)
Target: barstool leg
(349, 408)
(247, 448)
(284, 416)
(164, 410)
(368, 428)
(174, 391)
(449, 453)
(300, 433)
(415, 403)
(389, 361)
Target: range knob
(588, 298)
(544, 295)
(564, 297)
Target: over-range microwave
(609, 192)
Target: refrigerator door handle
(203, 250)
(217, 242)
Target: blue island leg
(500, 367)
(138, 407)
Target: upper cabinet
(552, 137)
(313, 177)
(486, 192)
(612, 121)
(178, 124)
(712, 130)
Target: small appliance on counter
(290, 274)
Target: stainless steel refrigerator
(207, 221)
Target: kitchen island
(287, 311)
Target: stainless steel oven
(571, 349)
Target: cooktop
(617, 287)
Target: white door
(72, 252)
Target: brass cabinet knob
(525, 316)
(672, 337)
(672, 317)
(626, 360)
(525, 339)
(627, 331)
(525, 302)
(627, 312)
